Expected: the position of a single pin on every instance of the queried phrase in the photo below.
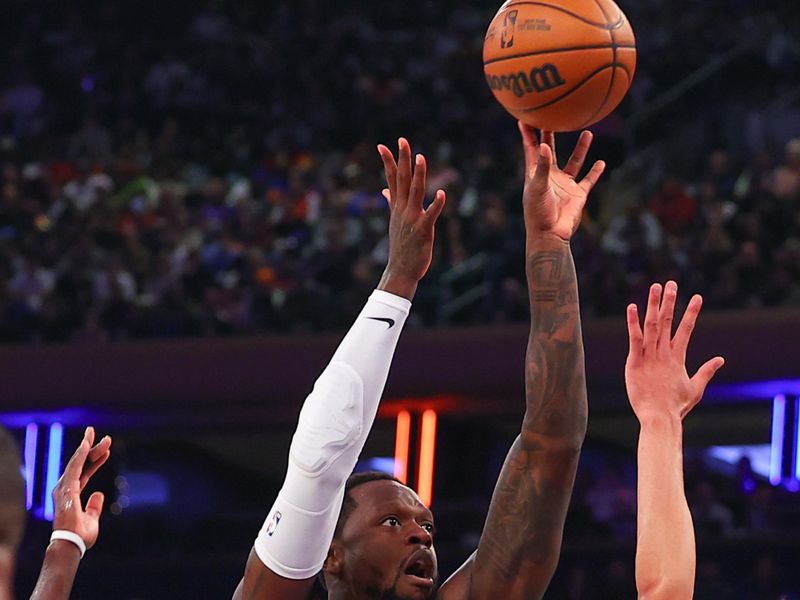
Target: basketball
(559, 65)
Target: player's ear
(333, 562)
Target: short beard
(391, 593)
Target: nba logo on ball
(507, 37)
(559, 65)
(272, 525)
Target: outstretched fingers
(651, 319)
(403, 172)
(390, 168)
(529, 143)
(549, 138)
(435, 209)
(94, 505)
(74, 468)
(665, 317)
(684, 332)
(97, 458)
(541, 176)
(704, 375)
(418, 183)
(635, 336)
(593, 176)
(576, 160)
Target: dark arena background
(191, 218)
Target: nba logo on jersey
(273, 522)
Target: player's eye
(429, 527)
(391, 522)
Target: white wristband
(69, 536)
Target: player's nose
(417, 535)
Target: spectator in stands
(768, 581)
(673, 206)
(633, 233)
(274, 178)
(712, 518)
(786, 177)
(12, 511)
(712, 583)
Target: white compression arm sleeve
(334, 423)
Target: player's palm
(86, 523)
(553, 198)
(561, 204)
(655, 371)
(658, 384)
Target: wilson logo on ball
(539, 79)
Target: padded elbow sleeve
(333, 426)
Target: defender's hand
(553, 199)
(69, 514)
(655, 372)
(411, 226)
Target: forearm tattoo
(521, 541)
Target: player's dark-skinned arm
(661, 394)
(411, 237)
(521, 540)
(62, 558)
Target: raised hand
(553, 199)
(69, 513)
(655, 371)
(411, 225)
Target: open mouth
(419, 568)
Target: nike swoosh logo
(387, 320)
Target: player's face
(387, 544)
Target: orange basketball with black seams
(559, 65)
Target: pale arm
(665, 546)
(661, 395)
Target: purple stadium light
(31, 439)
(74, 417)
(776, 441)
(54, 448)
(755, 390)
(797, 441)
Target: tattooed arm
(520, 545)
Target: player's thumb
(706, 372)
(436, 207)
(94, 506)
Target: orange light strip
(402, 440)
(427, 450)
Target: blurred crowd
(730, 507)
(169, 170)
